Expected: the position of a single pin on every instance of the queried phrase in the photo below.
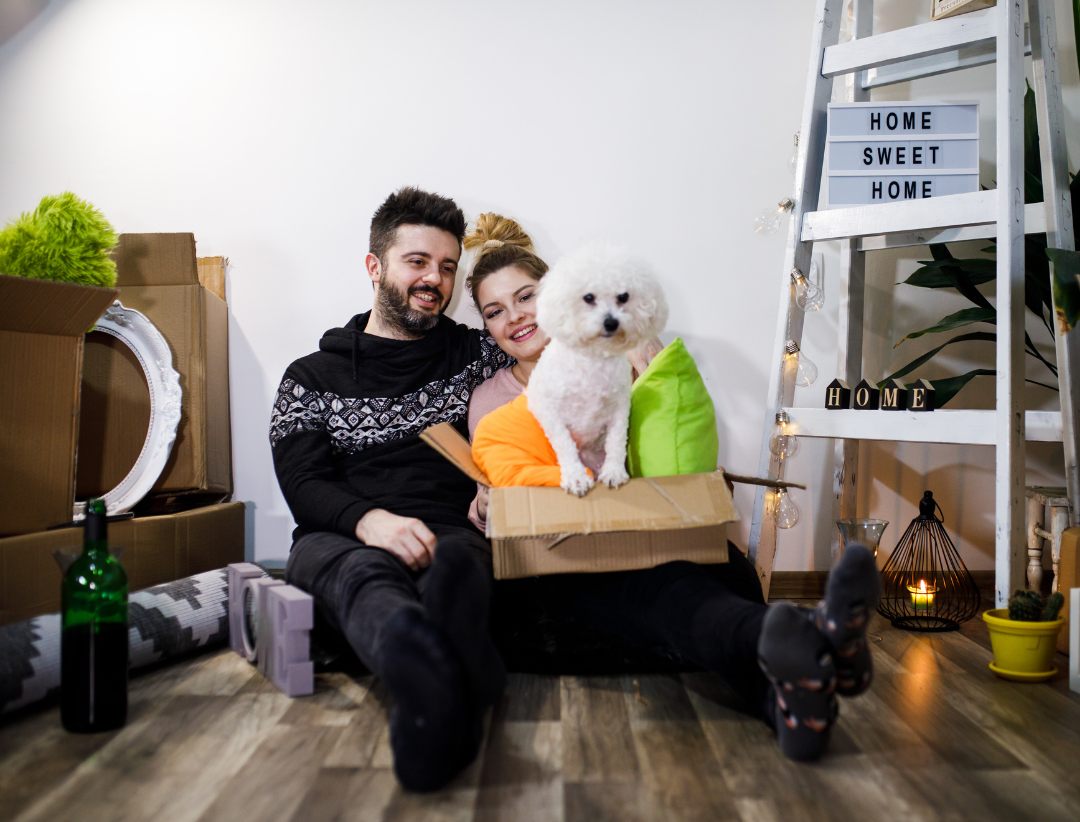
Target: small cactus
(1028, 606)
(1025, 606)
(1053, 606)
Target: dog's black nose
(610, 324)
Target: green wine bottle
(94, 634)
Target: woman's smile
(524, 333)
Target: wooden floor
(938, 737)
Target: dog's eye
(589, 298)
(622, 298)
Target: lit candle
(922, 598)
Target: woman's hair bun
(493, 231)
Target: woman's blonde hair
(500, 242)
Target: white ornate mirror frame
(150, 348)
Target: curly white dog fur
(595, 304)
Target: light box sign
(891, 152)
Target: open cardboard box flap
(643, 523)
(42, 324)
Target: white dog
(595, 304)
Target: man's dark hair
(411, 206)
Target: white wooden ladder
(996, 34)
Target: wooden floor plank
(680, 773)
(356, 746)
(276, 777)
(597, 743)
(522, 773)
(937, 738)
(531, 698)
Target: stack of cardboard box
(74, 410)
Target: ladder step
(942, 63)
(965, 31)
(1034, 223)
(960, 427)
(906, 216)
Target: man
(383, 542)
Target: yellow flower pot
(1023, 651)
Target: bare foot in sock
(457, 596)
(851, 595)
(434, 733)
(798, 661)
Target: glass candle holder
(922, 596)
(862, 531)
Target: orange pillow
(511, 448)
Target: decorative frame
(154, 355)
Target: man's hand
(405, 537)
(641, 356)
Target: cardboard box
(156, 550)
(42, 324)
(158, 274)
(644, 523)
(1068, 578)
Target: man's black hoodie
(347, 419)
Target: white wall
(273, 130)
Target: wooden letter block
(865, 397)
(893, 396)
(920, 396)
(837, 395)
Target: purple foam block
(238, 573)
(288, 661)
(257, 649)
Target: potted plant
(1024, 636)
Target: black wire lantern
(925, 586)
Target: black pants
(710, 615)
(358, 588)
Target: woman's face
(507, 300)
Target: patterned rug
(164, 622)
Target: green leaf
(949, 387)
(985, 336)
(931, 276)
(957, 320)
(1033, 188)
(1076, 32)
(960, 280)
(1066, 285)
(1032, 160)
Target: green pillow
(672, 419)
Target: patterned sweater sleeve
(318, 497)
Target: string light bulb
(768, 219)
(793, 163)
(808, 297)
(806, 370)
(787, 512)
(782, 443)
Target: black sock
(851, 594)
(797, 659)
(433, 731)
(457, 597)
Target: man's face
(415, 281)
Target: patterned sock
(798, 661)
(850, 595)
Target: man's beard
(393, 307)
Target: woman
(713, 616)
